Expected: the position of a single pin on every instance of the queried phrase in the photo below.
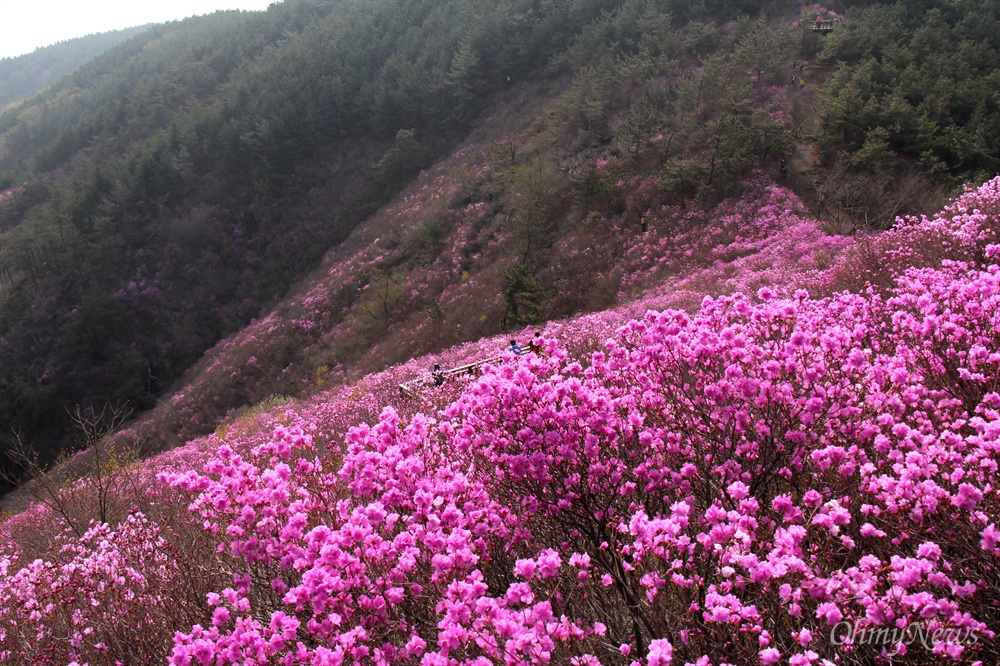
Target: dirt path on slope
(806, 171)
(805, 168)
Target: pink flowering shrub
(961, 232)
(386, 559)
(775, 478)
(761, 479)
(750, 478)
(765, 237)
(111, 596)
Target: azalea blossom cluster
(733, 486)
(765, 237)
(108, 595)
(706, 488)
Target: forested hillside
(23, 76)
(918, 79)
(175, 188)
(913, 90)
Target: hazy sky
(28, 24)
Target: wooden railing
(412, 388)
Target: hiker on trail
(437, 374)
(802, 84)
(793, 78)
(514, 347)
(644, 227)
(536, 342)
(784, 170)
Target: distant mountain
(23, 76)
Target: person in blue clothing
(514, 347)
(437, 374)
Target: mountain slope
(764, 441)
(781, 466)
(25, 75)
(194, 172)
(187, 186)
(166, 196)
